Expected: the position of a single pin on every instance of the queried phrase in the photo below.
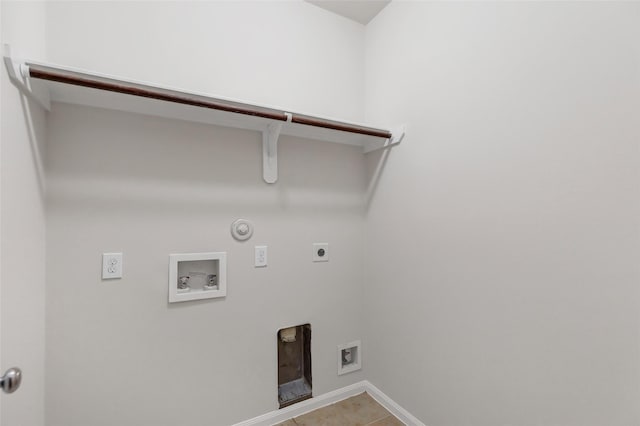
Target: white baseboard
(278, 416)
(393, 407)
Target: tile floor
(359, 410)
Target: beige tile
(387, 421)
(361, 410)
(287, 423)
(327, 416)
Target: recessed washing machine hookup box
(194, 276)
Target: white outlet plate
(261, 256)
(320, 252)
(111, 266)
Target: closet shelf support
(270, 137)
(270, 152)
(397, 134)
(19, 75)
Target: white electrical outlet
(261, 256)
(320, 252)
(111, 266)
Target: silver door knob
(10, 382)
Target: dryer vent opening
(294, 364)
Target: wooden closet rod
(318, 122)
(84, 80)
(149, 93)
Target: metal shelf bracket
(270, 152)
(19, 76)
(270, 137)
(397, 135)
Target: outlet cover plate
(320, 252)
(111, 266)
(260, 256)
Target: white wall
(502, 245)
(291, 53)
(118, 353)
(22, 225)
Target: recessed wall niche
(194, 276)
(294, 364)
(349, 357)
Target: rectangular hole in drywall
(294, 364)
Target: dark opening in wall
(294, 364)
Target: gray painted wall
(150, 187)
(22, 224)
(117, 352)
(502, 245)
